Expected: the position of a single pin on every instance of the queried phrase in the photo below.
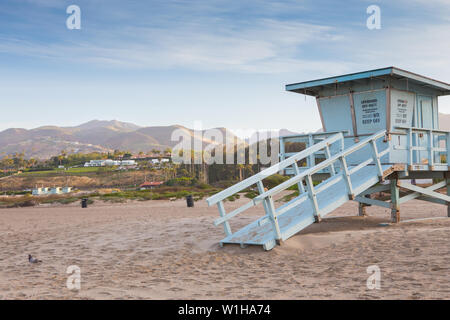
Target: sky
(224, 63)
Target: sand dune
(163, 250)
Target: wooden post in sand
(362, 210)
(395, 196)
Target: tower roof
(314, 86)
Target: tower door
(424, 120)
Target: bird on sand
(33, 260)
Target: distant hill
(103, 136)
(96, 135)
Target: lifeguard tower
(380, 132)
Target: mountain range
(103, 136)
(93, 136)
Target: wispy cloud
(263, 45)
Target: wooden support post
(362, 210)
(362, 206)
(395, 196)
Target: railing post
(376, 158)
(409, 148)
(430, 150)
(328, 155)
(261, 190)
(313, 198)
(273, 218)
(282, 152)
(269, 208)
(311, 158)
(226, 224)
(346, 175)
(301, 188)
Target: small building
(66, 189)
(95, 163)
(36, 191)
(150, 185)
(55, 190)
(128, 162)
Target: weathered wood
(375, 202)
(362, 209)
(414, 195)
(395, 196)
(375, 189)
(424, 191)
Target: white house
(66, 189)
(55, 190)
(36, 192)
(109, 163)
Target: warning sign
(370, 111)
(402, 104)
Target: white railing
(257, 179)
(344, 174)
(309, 140)
(431, 143)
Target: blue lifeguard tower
(378, 126)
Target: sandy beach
(163, 250)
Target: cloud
(209, 45)
(257, 36)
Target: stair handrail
(326, 163)
(220, 196)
